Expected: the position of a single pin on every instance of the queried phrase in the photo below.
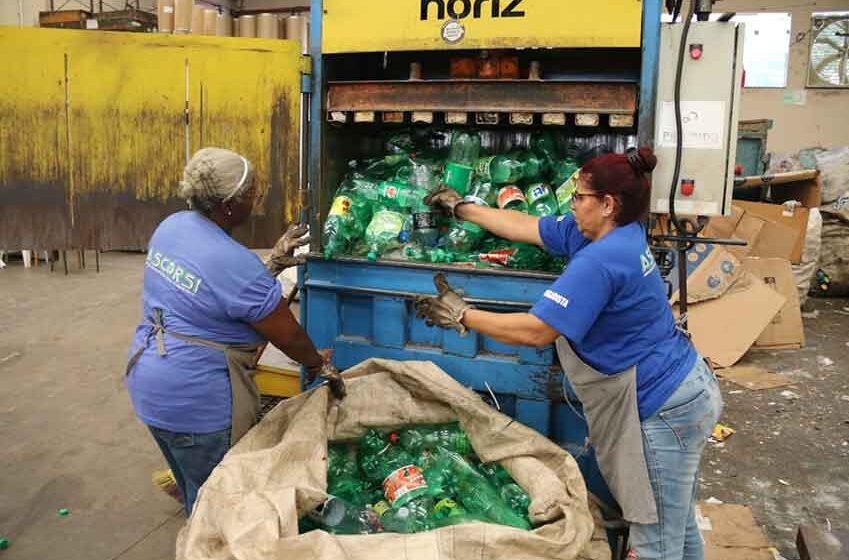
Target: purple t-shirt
(611, 304)
(208, 286)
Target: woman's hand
(446, 309)
(328, 372)
(445, 197)
(282, 255)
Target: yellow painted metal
(277, 382)
(100, 112)
(397, 25)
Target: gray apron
(241, 365)
(610, 405)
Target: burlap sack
(249, 507)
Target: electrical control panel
(711, 80)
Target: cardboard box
(786, 329)
(711, 270)
(730, 533)
(724, 329)
(783, 232)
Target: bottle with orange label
(511, 197)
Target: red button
(687, 187)
(695, 52)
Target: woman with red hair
(650, 400)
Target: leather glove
(446, 309)
(446, 198)
(330, 375)
(282, 255)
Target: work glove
(283, 254)
(446, 309)
(446, 198)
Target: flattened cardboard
(711, 271)
(753, 377)
(724, 329)
(783, 235)
(733, 533)
(786, 329)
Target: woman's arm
(510, 328)
(509, 224)
(283, 331)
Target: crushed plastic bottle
(383, 232)
(541, 201)
(500, 169)
(337, 516)
(516, 498)
(416, 439)
(511, 197)
(566, 177)
(465, 149)
(349, 215)
(517, 255)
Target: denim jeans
(192, 457)
(673, 441)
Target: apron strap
(159, 331)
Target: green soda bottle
(340, 517)
(447, 512)
(518, 255)
(383, 232)
(501, 170)
(464, 236)
(400, 195)
(495, 473)
(403, 481)
(534, 167)
(412, 517)
(516, 498)
(544, 145)
(425, 229)
(541, 201)
(566, 178)
(465, 149)
(349, 215)
(416, 439)
(511, 197)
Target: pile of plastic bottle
(379, 212)
(413, 479)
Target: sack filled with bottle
(410, 463)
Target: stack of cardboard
(742, 297)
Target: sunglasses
(579, 196)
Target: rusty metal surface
(504, 96)
(92, 147)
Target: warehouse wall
(272, 4)
(11, 10)
(823, 119)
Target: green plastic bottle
(500, 169)
(464, 236)
(515, 497)
(416, 439)
(517, 255)
(566, 178)
(545, 146)
(511, 197)
(534, 167)
(383, 232)
(465, 149)
(541, 201)
(340, 517)
(412, 517)
(349, 215)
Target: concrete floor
(70, 439)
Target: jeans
(673, 441)
(191, 457)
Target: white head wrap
(215, 175)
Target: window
(828, 57)
(766, 47)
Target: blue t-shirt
(611, 304)
(208, 286)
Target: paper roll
(225, 26)
(247, 26)
(210, 21)
(183, 16)
(165, 16)
(298, 29)
(197, 19)
(266, 26)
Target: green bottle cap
(4, 544)
(64, 511)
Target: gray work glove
(446, 309)
(446, 198)
(283, 254)
(330, 375)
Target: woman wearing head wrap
(209, 304)
(650, 400)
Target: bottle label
(403, 481)
(341, 206)
(380, 507)
(565, 191)
(389, 191)
(458, 177)
(483, 167)
(510, 194)
(498, 257)
(424, 220)
(447, 507)
(537, 192)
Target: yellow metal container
(411, 25)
